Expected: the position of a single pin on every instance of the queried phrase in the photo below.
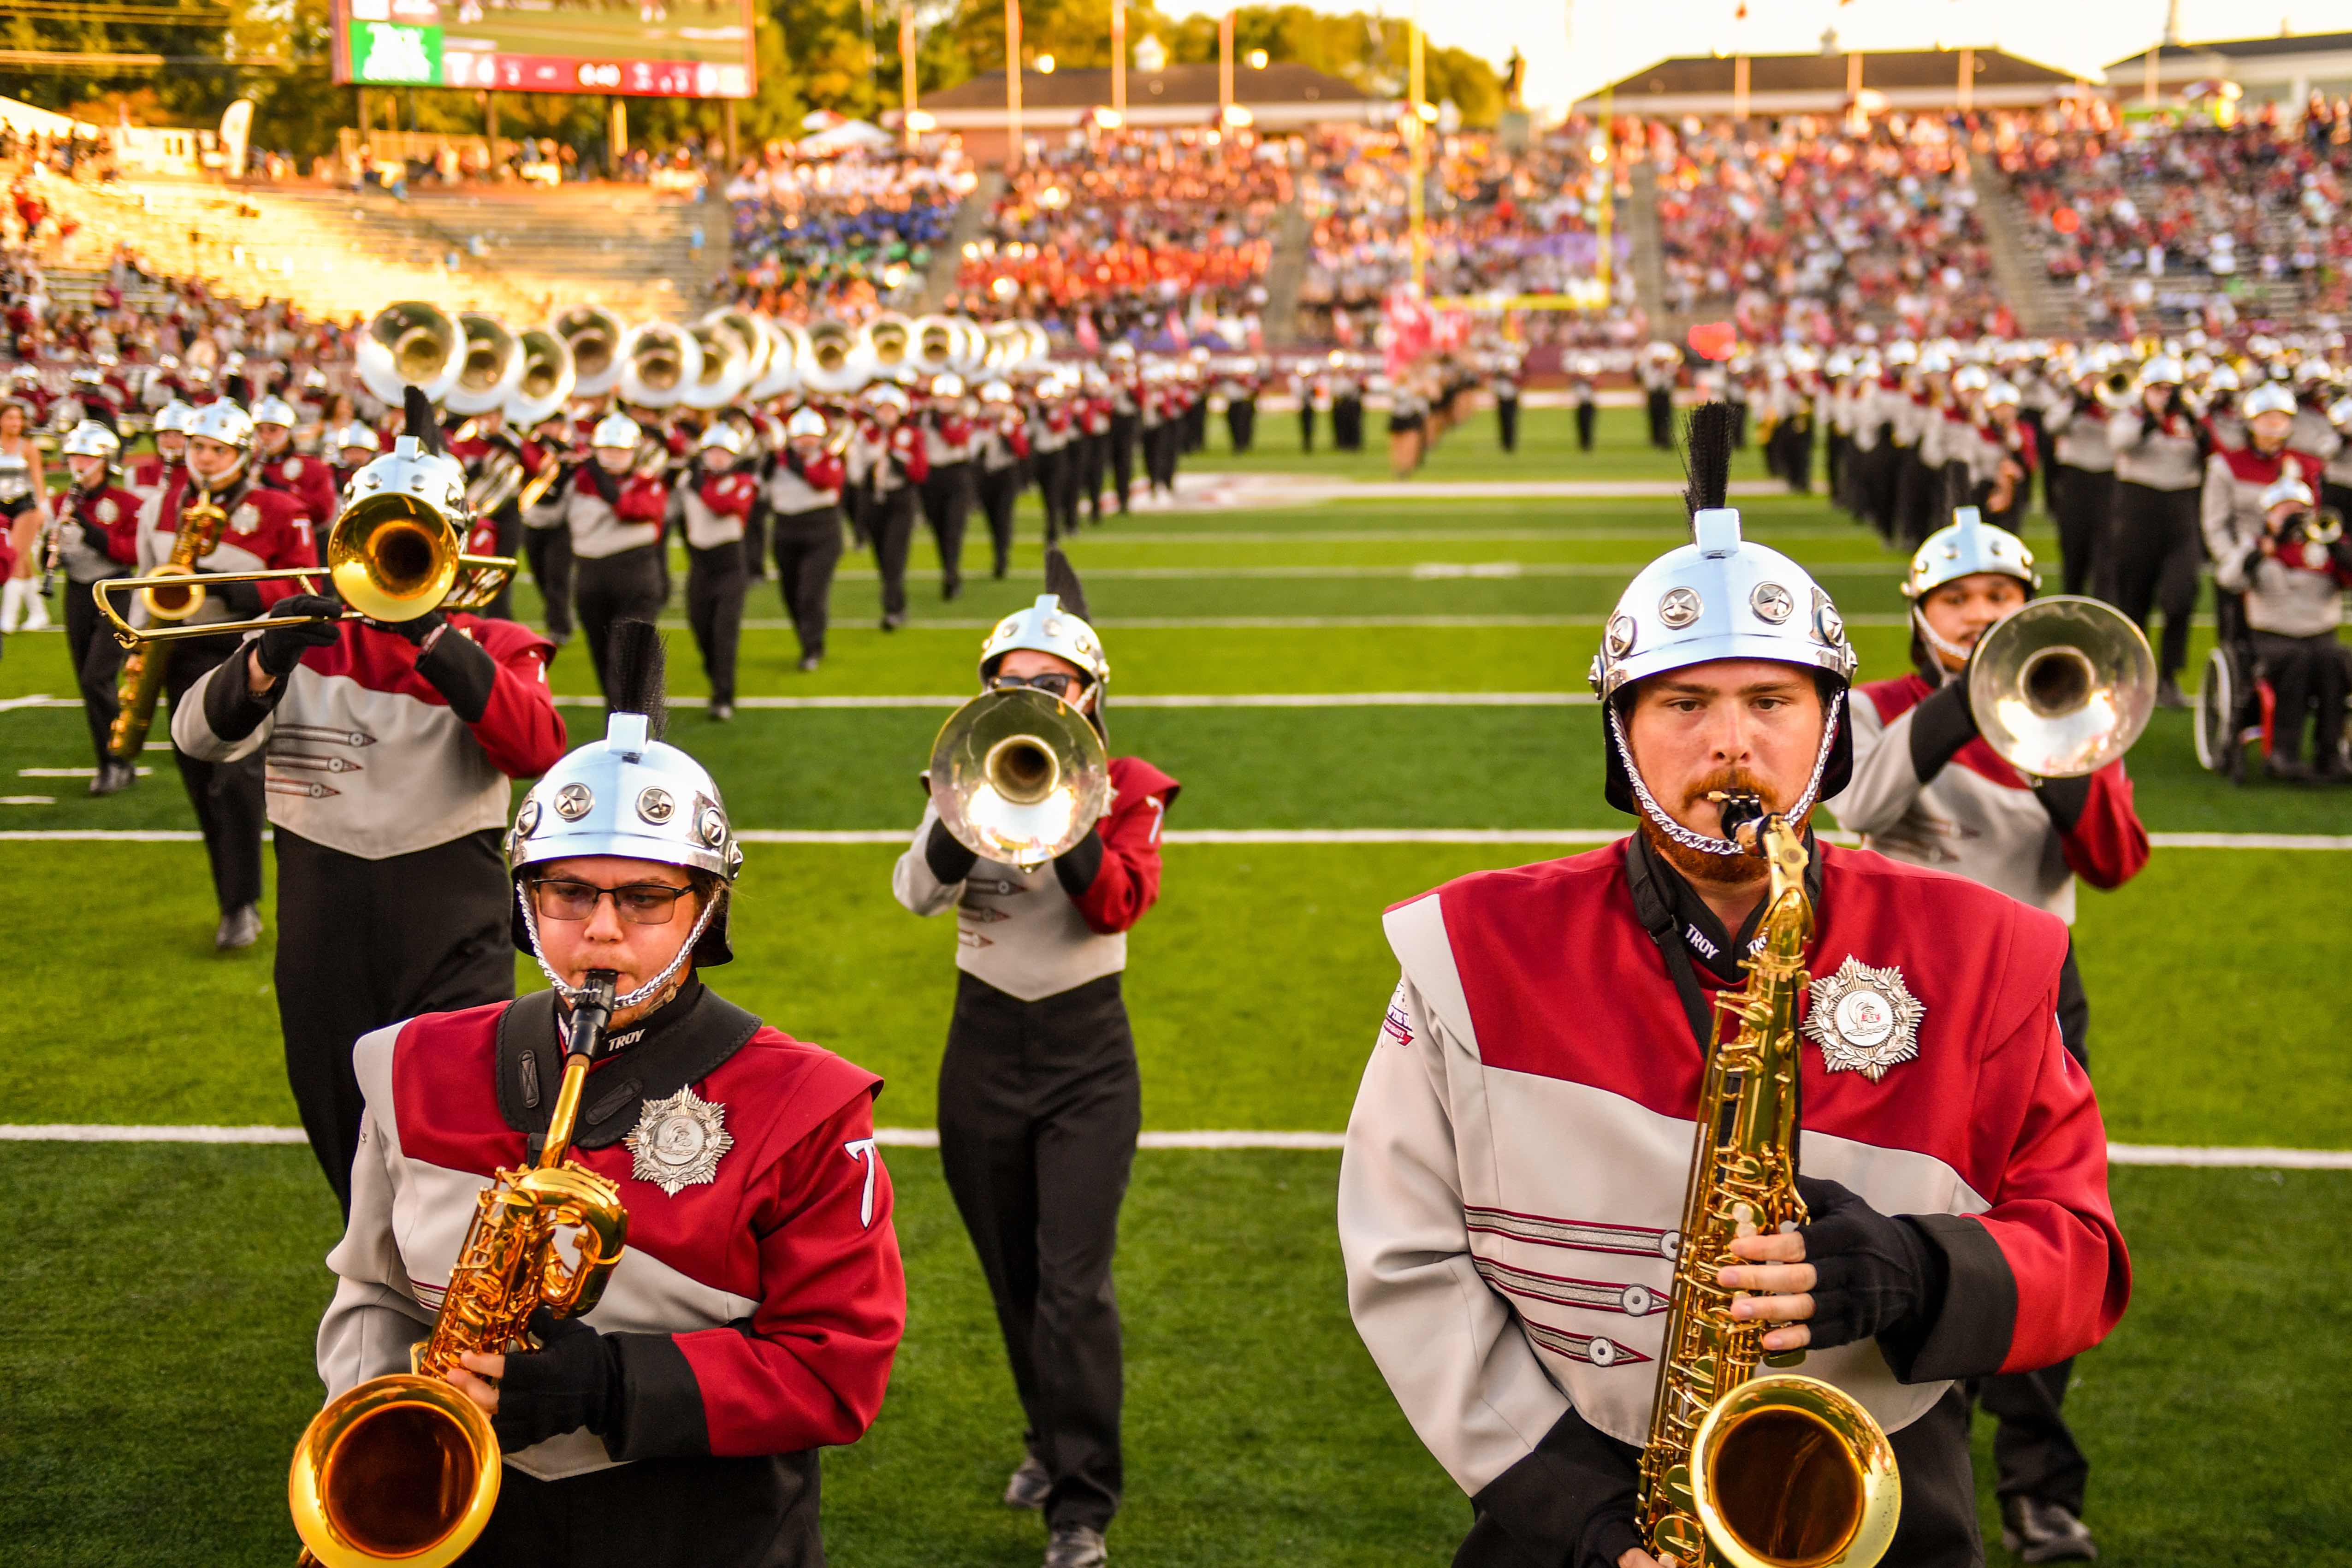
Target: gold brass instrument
(410, 344)
(391, 556)
(491, 365)
(405, 1469)
(546, 381)
(1018, 776)
(725, 365)
(170, 595)
(938, 345)
(595, 336)
(501, 480)
(546, 479)
(2062, 687)
(837, 361)
(2118, 387)
(659, 362)
(1740, 1471)
(888, 341)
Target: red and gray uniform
(756, 1310)
(1040, 1103)
(887, 468)
(154, 474)
(309, 480)
(714, 510)
(616, 522)
(803, 496)
(387, 769)
(2230, 512)
(1516, 1159)
(98, 537)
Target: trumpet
(1018, 776)
(2062, 687)
(391, 557)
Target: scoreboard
(639, 48)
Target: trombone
(391, 557)
(1018, 776)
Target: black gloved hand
(94, 536)
(414, 630)
(572, 1381)
(603, 481)
(1077, 867)
(1940, 725)
(280, 648)
(1871, 1271)
(950, 862)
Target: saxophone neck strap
(680, 1043)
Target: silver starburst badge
(1865, 1020)
(678, 1140)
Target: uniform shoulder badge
(1865, 1020)
(246, 519)
(678, 1140)
(107, 511)
(293, 468)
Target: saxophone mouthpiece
(1742, 812)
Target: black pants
(1306, 425)
(1587, 415)
(1507, 421)
(808, 550)
(1660, 405)
(226, 795)
(1039, 1107)
(1058, 487)
(2156, 547)
(1094, 451)
(755, 542)
(658, 1513)
(630, 586)
(1347, 424)
(1241, 422)
(1160, 450)
(548, 553)
(1124, 428)
(947, 508)
(716, 583)
(890, 526)
(1918, 499)
(508, 520)
(999, 490)
(97, 664)
(1195, 426)
(1793, 444)
(366, 943)
(2305, 673)
(2083, 501)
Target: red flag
(1089, 340)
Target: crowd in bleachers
(836, 236)
(1804, 230)
(1128, 226)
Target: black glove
(95, 536)
(949, 860)
(572, 1381)
(415, 631)
(1872, 1272)
(1940, 725)
(603, 481)
(1077, 867)
(280, 648)
(242, 600)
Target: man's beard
(1698, 865)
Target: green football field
(157, 1301)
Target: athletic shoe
(951, 588)
(809, 661)
(2045, 1533)
(1075, 1546)
(721, 713)
(240, 928)
(1029, 1485)
(892, 621)
(2167, 694)
(113, 776)
(2291, 769)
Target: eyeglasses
(638, 902)
(1059, 685)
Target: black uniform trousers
(890, 528)
(226, 795)
(2082, 501)
(1306, 425)
(366, 943)
(716, 581)
(1195, 426)
(1058, 487)
(1040, 1103)
(808, 550)
(1660, 405)
(1347, 424)
(2035, 1454)
(1124, 428)
(1507, 421)
(999, 490)
(1241, 422)
(1586, 416)
(1094, 451)
(548, 553)
(2305, 673)
(507, 522)
(2156, 548)
(946, 509)
(97, 664)
(755, 541)
(632, 585)
(1162, 444)
(658, 1513)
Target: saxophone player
(96, 537)
(755, 1311)
(1512, 1186)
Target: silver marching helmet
(223, 421)
(174, 418)
(804, 422)
(1968, 546)
(273, 409)
(2287, 488)
(91, 439)
(723, 436)
(2270, 397)
(354, 435)
(634, 796)
(1722, 597)
(617, 432)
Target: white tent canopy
(850, 135)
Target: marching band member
(1002, 437)
(1307, 388)
(24, 515)
(277, 465)
(754, 1313)
(1926, 790)
(1580, 392)
(500, 533)
(265, 530)
(1346, 393)
(387, 748)
(946, 488)
(2005, 457)
(1039, 1095)
(2082, 478)
(97, 536)
(546, 528)
(889, 463)
(1656, 370)
(1052, 434)
(1125, 420)
(2160, 469)
(804, 485)
(168, 465)
(1517, 1156)
(2291, 578)
(355, 446)
(714, 508)
(1504, 381)
(2233, 512)
(614, 511)
(1094, 437)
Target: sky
(1575, 46)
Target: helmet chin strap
(1946, 649)
(1708, 843)
(644, 993)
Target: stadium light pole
(1418, 126)
(1968, 78)
(907, 72)
(1225, 68)
(1118, 59)
(1012, 83)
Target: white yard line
(1423, 571)
(1331, 837)
(927, 1138)
(1178, 700)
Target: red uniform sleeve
(810, 1367)
(284, 541)
(319, 491)
(1019, 441)
(911, 453)
(122, 534)
(520, 730)
(2108, 845)
(730, 494)
(825, 471)
(1127, 883)
(643, 500)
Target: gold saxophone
(144, 667)
(1743, 1471)
(405, 1469)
